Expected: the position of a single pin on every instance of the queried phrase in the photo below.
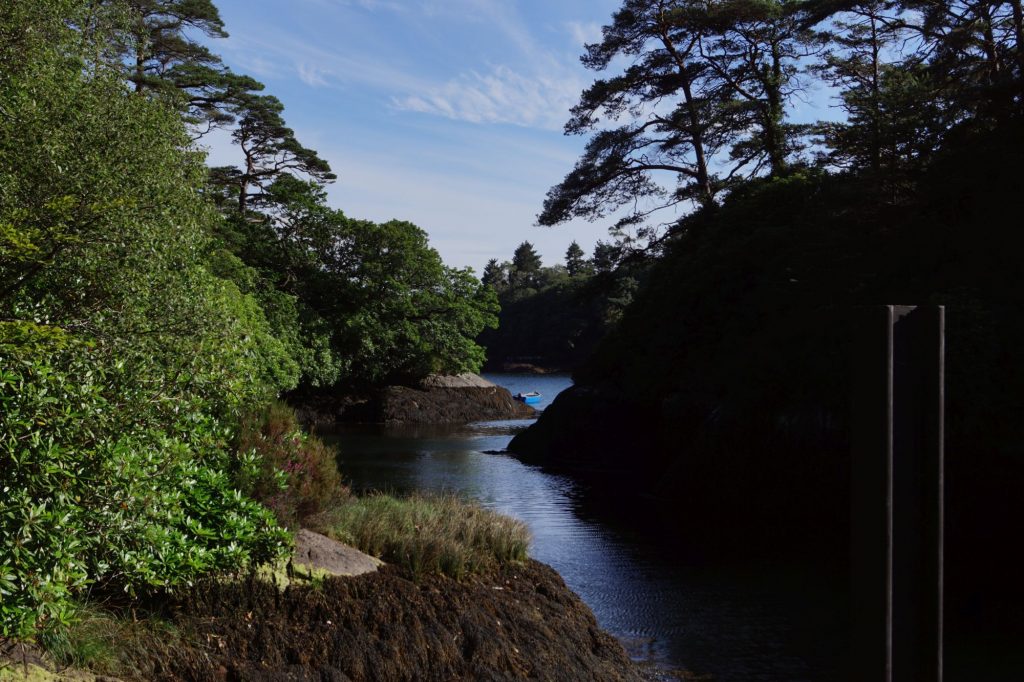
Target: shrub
(96, 494)
(290, 471)
(430, 534)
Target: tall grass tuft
(105, 643)
(430, 534)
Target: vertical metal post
(897, 529)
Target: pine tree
(270, 150)
(496, 275)
(606, 257)
(703, 103)
(526, 265)
(575, 261)
(165, 61)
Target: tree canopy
(700, 102)
(703, 95)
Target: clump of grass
(430, 534)
(107, 643)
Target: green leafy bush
(89, 498)
(123, 361)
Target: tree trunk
(876, 108)
(1018, 32)
(243, 188)
(696, 135)
(774, 136)
(697, 139)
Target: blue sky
(446, 113)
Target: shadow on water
(667, 602)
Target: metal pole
(897, 529)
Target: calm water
(737, 624)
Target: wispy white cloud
(583, 33)
(538, 93)
(258, 65)
(317, 66)
(499, 96)
(311, 74)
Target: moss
(278, 574)
(16, 672)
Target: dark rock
(587, 428)
(516, 622)
(457, 399)
(403, 405)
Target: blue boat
(528, 398)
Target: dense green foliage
(122, 357)
(139, 323)
(360, 303)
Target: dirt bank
(518, 622)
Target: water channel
(734, 623)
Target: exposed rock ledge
(458, 399)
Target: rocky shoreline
(515, 622)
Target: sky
(445, 113)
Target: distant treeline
(553, 316)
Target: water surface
(736, 623)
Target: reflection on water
(737, 624)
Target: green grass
(106, 643)
(429, 534)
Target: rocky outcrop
(403, 405)
(516, 622)
(438, 399)
(588, 428)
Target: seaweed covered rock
(516, 622)
(437, 399)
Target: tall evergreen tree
(575, 260)
(495, 275)
(754, 47)
(270, 150)
(975, 51)
(526, 265)
(606, 257)
(703, 101)
(164, 59)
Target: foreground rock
(517, 622)
(321, 553)
(459, 399)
